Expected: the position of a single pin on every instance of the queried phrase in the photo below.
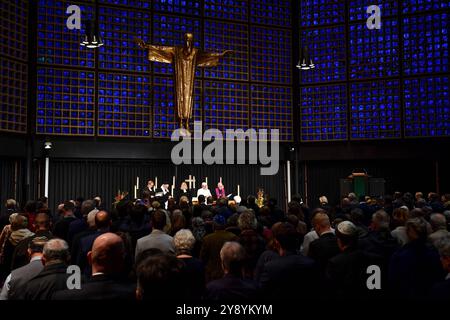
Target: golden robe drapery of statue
(184, 59)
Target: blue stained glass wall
(65, 102)
(124, 105)
(178, 6)
(426, 43)
(57, 45)
(226, 105)
(374, 53)
(271, 55)
(321, 12)
(230, 9)
(427, 107)
(271, 12)
(323, 113)
(410, 52)
(375, 110)
(146, 4)
(234, 37)
(119, 28)
(13, 65)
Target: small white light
(47, 145)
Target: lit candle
(135, 192)
(137, 183)
(220, 179)
(206, 180)
(239, 191)
(193, 181)
(156, 182)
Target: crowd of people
(217, 249)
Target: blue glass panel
(219, 37)
(374, 53)
(119, 28)
(230, 9)
(13, 95)
(129, 3)
(323, 113)
(226, 105)
(427, 107)
(271, 55)
(14, 25)
(271, 12)
(321, 12)
(375, 110)
(327, 48)
(358, 9)
(178, 6)
(272, 109)
(425, 43)
(61, 114)
(57, 45)
(411, 6)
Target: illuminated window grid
(375, 110)
(219, 37)
(272, 109)
(13, 96)
(14, 29)
(427, 107)
(323, 113)
(120, 27)
(358, 9)
(230, 9)
(327, 47)
(425, 44)
(412, 6)
(178, 6)
(164, 113)
(321, 12)
(169, 31)
(225, 105)
(271, 55)
(129, 3)
(58, 45)
(374, 53)
(124, 105)
(65, 102)
(270, 12)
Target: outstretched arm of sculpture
(157, 53)
(206, 59)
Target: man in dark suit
(14, 284)
(232, 286)
(183, 191)
(42, 227)
(347, 272)
(102, 223)
(291, 275)
(326, 247)
(107, 261)
(61, 228)
(54, 275)
(441, 290)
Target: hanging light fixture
(305, 62)
(92, 38)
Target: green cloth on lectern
(359, 186)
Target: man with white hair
(439, 225)
(54, 275)
(204, 191)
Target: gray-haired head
(438, 221)
(232, 255)
(416, 229)
(56, 251)
(443, 245)
(184, 240)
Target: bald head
(107, 254)
(102, 219)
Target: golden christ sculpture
(185, 59)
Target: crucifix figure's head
(189, 38)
